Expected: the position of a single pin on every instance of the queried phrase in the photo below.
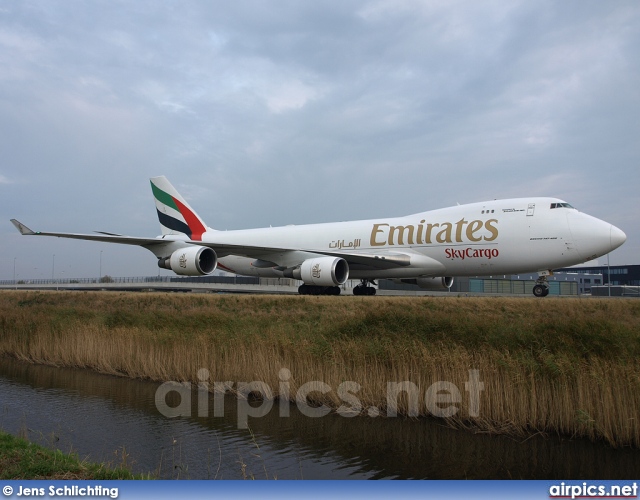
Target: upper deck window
(561, 205)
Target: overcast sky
(274, 112)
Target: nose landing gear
(541, 288)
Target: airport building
(566, 283)
(616, 275)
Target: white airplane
(429, 249)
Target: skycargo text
(471, 253)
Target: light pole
(15, 283)
(608, 275)
(100, 275)
(53, 266)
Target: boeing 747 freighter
(429, 249)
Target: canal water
(115, 420)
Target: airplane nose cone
(617, 237)
(593, 237)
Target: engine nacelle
(191, 261)
(431, 284)
(321, 271)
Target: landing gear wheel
(365, 289)
(541, 288)
(540, 291)
(318, 290)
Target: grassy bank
(20, 459)
(566, 366)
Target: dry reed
(565, 366)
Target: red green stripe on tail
(180, 218)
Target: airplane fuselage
(481, 239)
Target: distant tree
(106, 279)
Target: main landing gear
(541, 288)
(364, 288)
(318, 290)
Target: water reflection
(111, 419)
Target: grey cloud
(305, 112)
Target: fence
(520, 287)
(230, 280)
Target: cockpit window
(561, 205)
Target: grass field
(565, 366)
(20, 459)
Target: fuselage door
(530, 209)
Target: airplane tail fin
(174, 213)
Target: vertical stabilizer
(174, 213)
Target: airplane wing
(221, 248)
(356, 260)
(100, 236)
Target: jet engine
(190, 261)
(321, 271)
(432, 284)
